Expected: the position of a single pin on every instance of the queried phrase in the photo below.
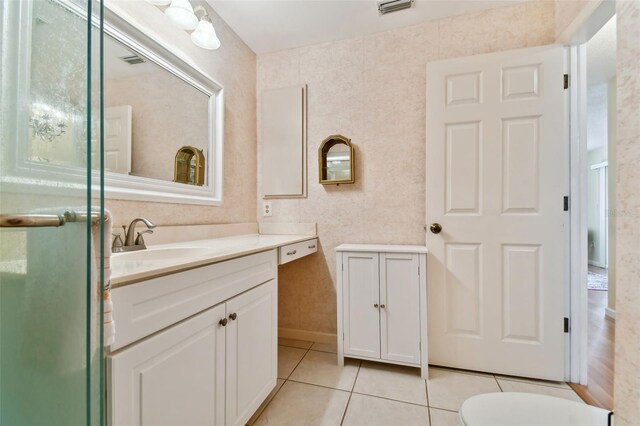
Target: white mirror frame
(54, 179)
(127, 187)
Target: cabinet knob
(233, 316)
(375, 305)
(312, 246)
(382, 306)
(291, 253)
(223, 322)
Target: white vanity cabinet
(196, 367)
(382, 304)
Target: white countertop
(386, 248)
(127, 271)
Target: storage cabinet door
(175, 377)
(251, 351)
(400, 307)
(360, 304)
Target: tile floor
(313, 390)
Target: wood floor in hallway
(599, 391)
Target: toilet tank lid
(520, 409)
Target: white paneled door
(117, 138)
(495, 187)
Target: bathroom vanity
(382, 304)
(196, 339)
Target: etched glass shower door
(51, 214)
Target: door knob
(436, 228)
(233, 316)
(223, 322)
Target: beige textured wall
(233, 66)
(167, 114)
(372, 90)
(627, 352)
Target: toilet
(520, 409)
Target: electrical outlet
(267, 209)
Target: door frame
(589, 21)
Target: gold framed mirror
(189, 166)
(336, 161)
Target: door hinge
(566, 81)
(566, 324)
(566, 203)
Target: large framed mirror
(155, 103)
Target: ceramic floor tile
(455, 370)
(369, 410)
(302, 344)
(279, 383)
(510, 386)
(562, 385)
(288, 358)
(321, 368)
(391, 381)
(325, 347)
(449, 389)
(443, 417)
(302, 404)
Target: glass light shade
(205, 36)
(181, 14)
(159, 2)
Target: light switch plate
(267, 209)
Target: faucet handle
(139, 240)
(117, 243)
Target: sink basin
(156, 254)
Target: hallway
(599, 391)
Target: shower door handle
(44, 220)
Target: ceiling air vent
(133, 59)
(389, 6)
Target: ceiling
(601, 55)
(272, 25)
(601, 67)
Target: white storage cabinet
(382, 304)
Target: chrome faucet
(131, 244)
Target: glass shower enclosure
(51, 214)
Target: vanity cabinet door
(361, 304)
(176, 377)
(251, 351)
(400, 307)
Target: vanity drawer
(297, 250)
(144, 308)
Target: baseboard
(597, 264)
(611, 313)
(309, 336)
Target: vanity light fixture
(185, 17)
(205, 35)
(181, 14)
